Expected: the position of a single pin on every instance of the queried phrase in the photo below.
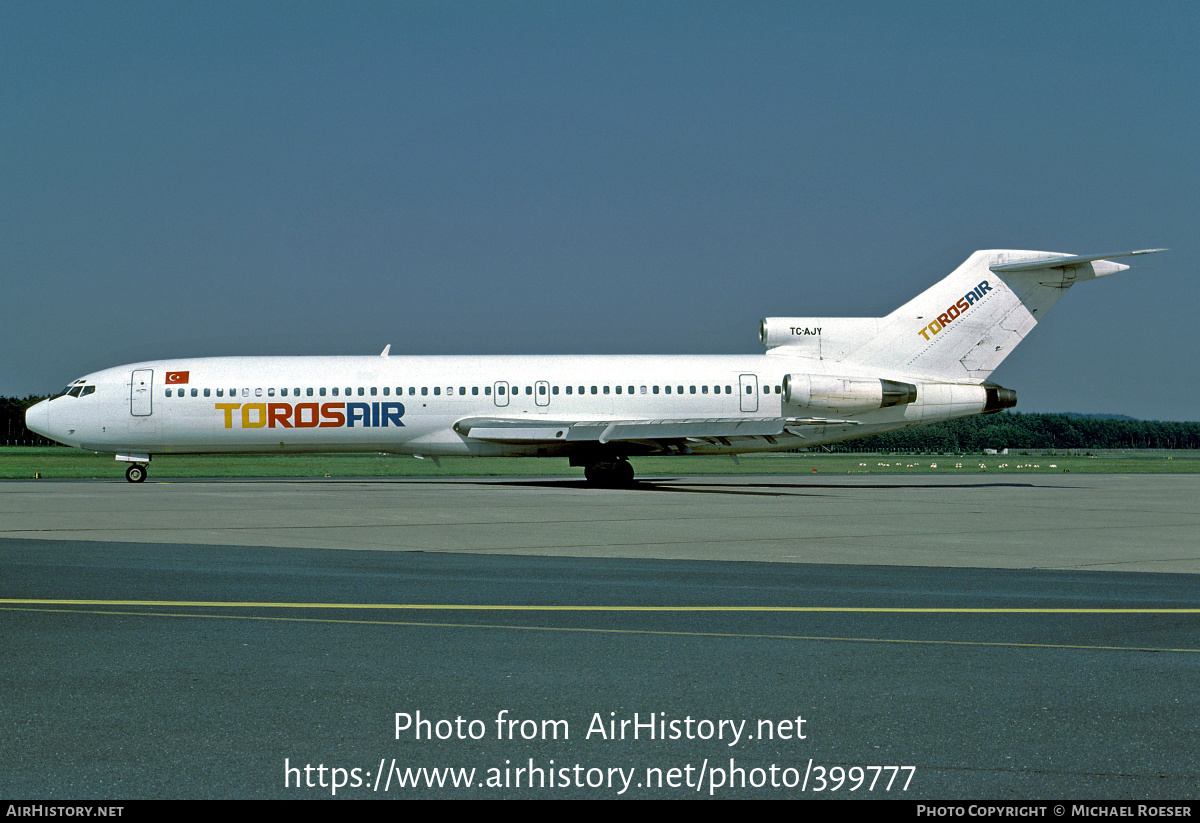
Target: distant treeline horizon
(1008, 430)
(1031, 431)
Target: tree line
(1042, 432)
(1008, 430)
(12, 422)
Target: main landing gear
(612, 474)
(136, 473)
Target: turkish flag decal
(177, 376)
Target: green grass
(56, 461)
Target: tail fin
(963, 327)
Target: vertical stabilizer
(962, 327)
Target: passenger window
(704, 389)
(729, 389)
(499, 390)
(487, 390)
(258, 392)
(554, 390)
(462, 390)
(595, 390)
(220, 392)
(655, 390)
(437, 390)
(208, 392)
(168, 392)
(270, 392)
(360, 391)
(691, 389)
(195, 393)
(644, 389)
(679, 389)
(541, 391)
(569, 389)
(474, 391)
(424, 391)
(668, 389)
(606, 389)
(529, 390)
(618, 389)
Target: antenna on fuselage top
(385, 351)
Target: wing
(528, 430)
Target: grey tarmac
(185, 639)
(1115, 522)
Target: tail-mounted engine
(846, 394)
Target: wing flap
(796, 422)
(519, 434)
(675, 429)
(517, 430)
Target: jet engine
(846, 394)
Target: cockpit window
(76, 389)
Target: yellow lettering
(228, 409)
(261, 408)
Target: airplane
(821, 380)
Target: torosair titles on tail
(821, 380)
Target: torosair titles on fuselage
(822, 380)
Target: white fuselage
(414, 405)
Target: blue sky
(190, 179)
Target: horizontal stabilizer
(1066, 261)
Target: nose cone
(37, 418)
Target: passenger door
(748, 389)
(141, 393)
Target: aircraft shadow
(679, 485)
